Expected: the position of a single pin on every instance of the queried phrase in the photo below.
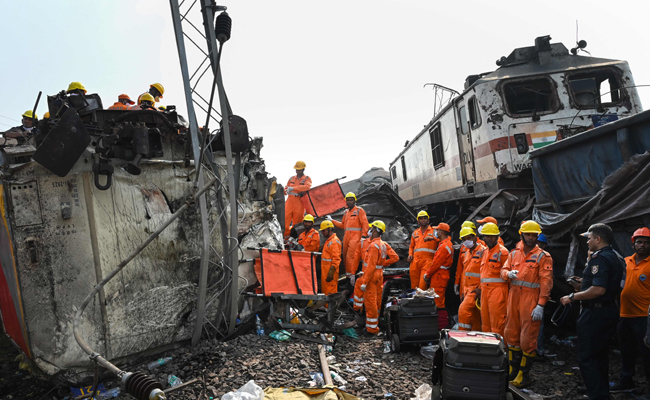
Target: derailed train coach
(472, 158)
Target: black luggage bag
(412, 321)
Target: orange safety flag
(286, 272)
(324, 199)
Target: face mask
(435, 233)
(369, 232)
(468, 243)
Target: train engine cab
(479, 142)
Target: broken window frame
(403, 168)
(437, 150)
(614, 72)
(554, 103)
(475, 120)
(393, 172)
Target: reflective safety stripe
(294, 194)
(444, 267)
(365, 264)
(473, 274)
(427, 250)
(353, 229)
(372, 319)
(491, 280)
(379, 266)
(359, 304)
(449, 249)
(372, 326)
(325, 259)
(468, 326)
(525, 284)
(358, 298)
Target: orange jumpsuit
(373, 279)
(531, 287)
(422, 253)
(355, 224)
(118, 106)
(494, 290)
(331, 257)
(469, 316)
(293, 209)
(459, 266)
(390, 258)
(438, 270)
(310, 240)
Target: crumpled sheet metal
(325, 393)
(267, 234)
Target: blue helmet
(542, 238)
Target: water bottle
(173, 380)
(258, 325)
(158, 363)
(109, 394)
(337, 378)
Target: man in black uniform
(601, 285)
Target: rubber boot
(523, 378)
(514, 357)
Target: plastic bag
(423, 392)
(280, 336)
(429, 351)
(250, 391)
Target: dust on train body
(478, 143)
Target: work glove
(363, 288)
(426, 278)
(360, 274)
(457, 289)
(330, 275)
(328, 217)
(512, 274)
(289, 189)
(352, 279)
(538, 313)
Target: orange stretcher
(286, 272)
(324, 199)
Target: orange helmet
(642, 232)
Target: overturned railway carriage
(478, 145)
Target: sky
(337, 84)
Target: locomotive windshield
(594, 89)
(530, 97)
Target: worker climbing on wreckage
(437, 271)
(145, 102)
(423, 247)
(122, 103)
(373, 276)
(20, 134)
(330, 259)
(494, 289)
(293, 209)
(309, 239)
(390, 258)
(529, 270)
(354, 223)
(469, 315)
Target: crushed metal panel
(26, 203)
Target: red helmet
(645, 232)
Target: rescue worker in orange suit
(458, 287)
(330, 259)
(293, 209)
(635, 301)
(354, 223)
(156, 90)
(373, 277)
(423, 247)
(437, 271)
(390, 258)
(487, 220)
(469, 315)
(530, 273)
(145, 102)
(309, 239)
(122, 102)
(494, 290)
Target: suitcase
(412, 321)
(471, 365)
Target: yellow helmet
(379, 225)
(309, 218)
(146, 97)
(490, 229)
(28, 114)
(162, 108)
(160, 88)
(350, 194)
(300, 165)
(468, 224)
(466, 232)
(47, 115)
(423, 214)
(530, 227)
(76, 85)
(326, 224)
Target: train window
(596, 88)
(393, 172)
(403, 169)
(474, 113)
(462, 114)
(436, 147)
(530, 97)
